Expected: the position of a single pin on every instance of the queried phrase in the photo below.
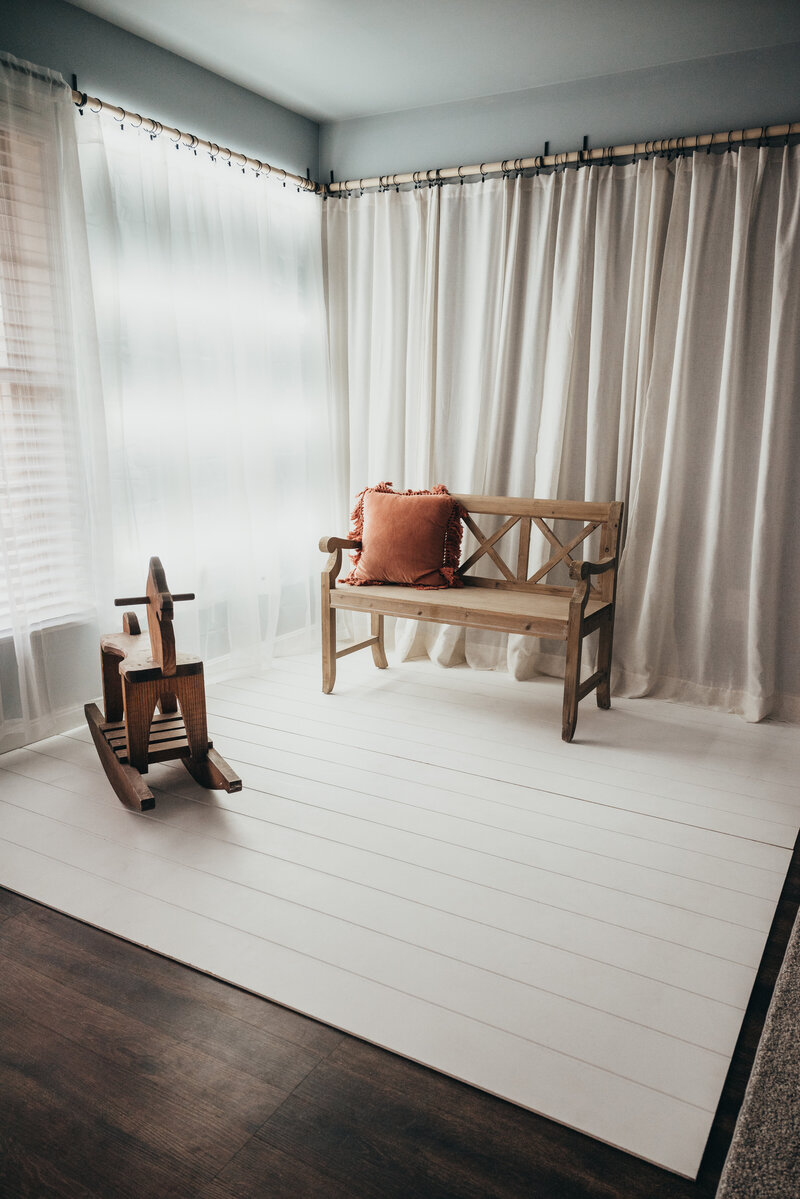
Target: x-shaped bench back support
(591, 517)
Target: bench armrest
(334, 547)
(329, 544)
(582, 570)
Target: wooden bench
(512, 602)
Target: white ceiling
(337, 59)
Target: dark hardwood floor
(125, 1075)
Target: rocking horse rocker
(137, 677)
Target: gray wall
(703, 95)
(126, 70)
(698, 95)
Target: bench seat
(496, 608)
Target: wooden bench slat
(505, 505)
(501, 609)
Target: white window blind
(44, 563)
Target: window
(45, 571)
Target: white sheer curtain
(627, 332)
(52, 443)
(211, 322)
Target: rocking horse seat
(138, 663)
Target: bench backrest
(537, 517)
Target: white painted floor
(418, 859)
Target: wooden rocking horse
(137, 678)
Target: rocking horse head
(159, 602)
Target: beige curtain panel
(618, 332)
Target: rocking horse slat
(163, 751)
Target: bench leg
(378, 649)
(572, 678)
(606, 640)
(328, 646)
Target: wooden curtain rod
(155, 129)
(659, 146)
(600, 154)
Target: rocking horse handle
(145, 599)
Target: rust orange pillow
(408, 537)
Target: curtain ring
(121, 116)
(730, 131)
(483, 173)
